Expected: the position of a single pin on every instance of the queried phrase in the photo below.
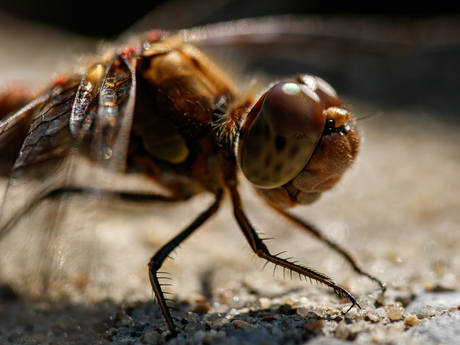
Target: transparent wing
(13, 130)
(42, 150)
(78, 127)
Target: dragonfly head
(296, 142)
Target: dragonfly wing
(71, 133)
(13, 131)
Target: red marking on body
(154, 35)
(130, 51)
(60, 79)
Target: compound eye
(324, 91)
(280, 134)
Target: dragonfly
(158, 105)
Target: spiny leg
(261, 250)
(157, 260)
(316, 232)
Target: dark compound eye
(285, 128)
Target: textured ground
(397, 212)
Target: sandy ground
(396, 211)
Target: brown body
(173, 129)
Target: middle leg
(157, 260)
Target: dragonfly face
(163, 108)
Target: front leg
(261, 250)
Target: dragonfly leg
(318, 234)
(261, 250)
(157, 260)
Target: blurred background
(108, 20)
(404, 47)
